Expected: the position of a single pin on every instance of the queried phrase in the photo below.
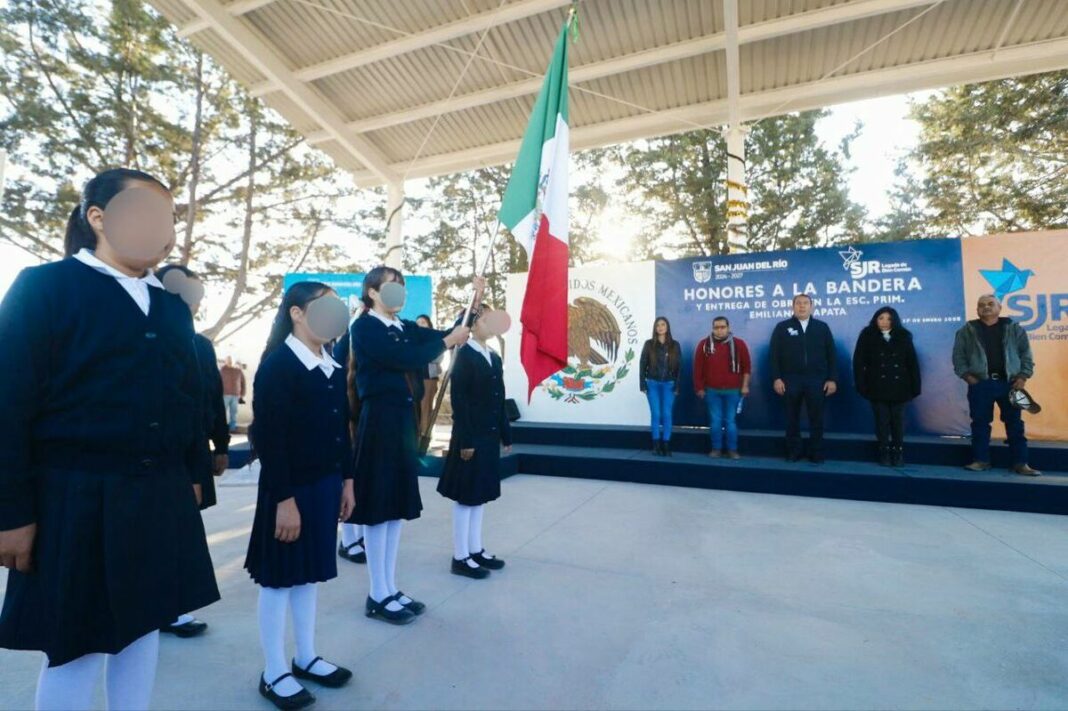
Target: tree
(797, 189)
(993, 156)
(91, 84)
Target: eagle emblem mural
(594, 339)
(592, 332)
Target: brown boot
(978, 466)
(1025, 470)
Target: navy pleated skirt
(312, 558)
(476, 481)
(116, 557)
(386, 481)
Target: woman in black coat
(886, 372)
(471, 476)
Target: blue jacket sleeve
(832, 356)
(775, 353)
(462, 395)
(219, 428)
(377, 344)
(505, 425)
(272, 397)
(198, 454)
(24, 336)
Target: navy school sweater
(385, 355)
(300, 423)
(90, 384)
(478, 399)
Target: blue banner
(921, 279)
(349, 287)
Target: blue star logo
(1006, 280)
(850, 257)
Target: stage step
(913, 484)
(938, 451)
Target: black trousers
(806, 391)
(889, 422)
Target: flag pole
(428, 427)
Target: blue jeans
(722, 415)
(231, 410)
(661, 394)
(981, 399)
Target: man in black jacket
(804, 369)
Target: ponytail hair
(98, 193)
(300, 295)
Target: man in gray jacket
(993, 355)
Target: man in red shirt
(721, 371)
(233, 379)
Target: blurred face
(884, 322)
(988, 307)
(481, 330)
(720, 329)
(136, 229)
(322, 320)
(229, 362)
(424, 322)
(387, 305)
(661, 327)
(802, 307)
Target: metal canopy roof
(395, 89)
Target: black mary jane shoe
(334, 680)
(460, 567)
(489, 562)
(378, 611)
(345, 552)
(299, 700)
(413, 606)
(187, 629)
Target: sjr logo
(858, 269)
(1032, 311)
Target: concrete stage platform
(933, 474)
(622, 596)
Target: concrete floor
(630, 596)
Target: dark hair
(668, 341)
(724, 319)
(98, 193)
(895, 321)
(300, 295)
(428, 319)
(375, 279)
(167, 268)
(800, 296)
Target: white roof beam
(442, 33)
(267, 62)
(758, 32)
(241, 7)
(1019, 60)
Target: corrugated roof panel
(228, 57)
(176, 11)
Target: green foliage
(992, 157)
(87, 85)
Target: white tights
(382, 542)
(129, 677)
(466, 530)
(301, 599)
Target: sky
(886, 134)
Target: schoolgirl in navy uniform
(471, 476)
(181, 280)
(387, 354)
(300, 429)
(101, 433)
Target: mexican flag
(534, 209)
